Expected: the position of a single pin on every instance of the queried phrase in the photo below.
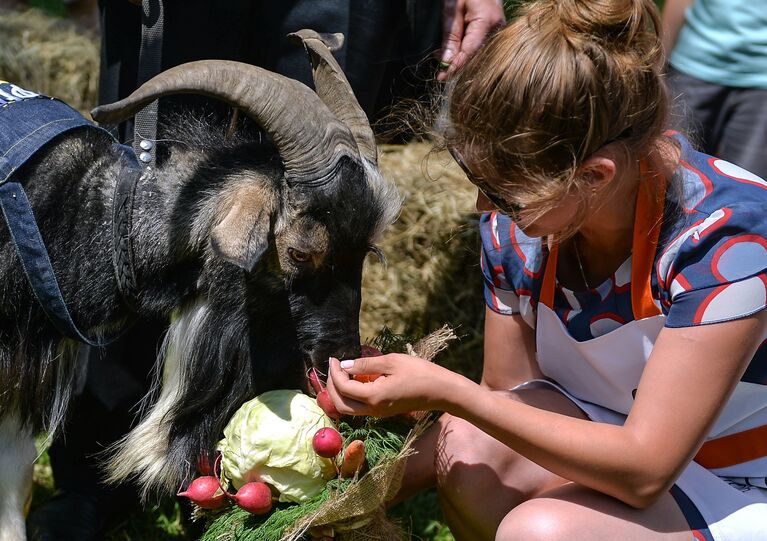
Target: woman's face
(551, 222)
(532, 223)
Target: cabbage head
(269, 439)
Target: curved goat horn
(334, 89)
(308, 136)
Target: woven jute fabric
(358, 511)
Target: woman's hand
(406, 384)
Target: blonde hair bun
(620, 25)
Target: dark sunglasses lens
(497, 201)
(510, 209)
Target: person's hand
(465, 25)
(406, 384)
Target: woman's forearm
(564, 445)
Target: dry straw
(431, 276)
(49, 55)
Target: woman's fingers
(344, 384)
(346, 393)
(366, 365)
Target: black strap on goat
(145, 149)
(122, 227)
(149, 65)
(29, 121)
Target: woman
(625, 289)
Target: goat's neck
(167, 260)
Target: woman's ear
(598, 170)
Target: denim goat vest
(29, 121)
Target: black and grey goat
(253, 252)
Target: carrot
(368, 351)
(366, 378)
(354, 458)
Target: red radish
(354, 458)
(255, 497)
(205, 492)
(369, 351)
(327, 442)
(314, 380)
(205, 466)
(326, 403)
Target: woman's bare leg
(420, 472)
(489, 492)
(478, 478)
(575, 512)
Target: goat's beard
(210, 364)
(205, 373)
(182, 418)
(144, 454)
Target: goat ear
(242, 236)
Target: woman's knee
(537, 519)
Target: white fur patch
(142, 453)
(386, 194)
(17, 457)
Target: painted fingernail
(348, 363)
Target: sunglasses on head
(498, 201)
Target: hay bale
(49, 55)
(432, 273)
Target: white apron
(601, 376)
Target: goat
(253, 252)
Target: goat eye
(298, 256)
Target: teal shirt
(724, 42)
